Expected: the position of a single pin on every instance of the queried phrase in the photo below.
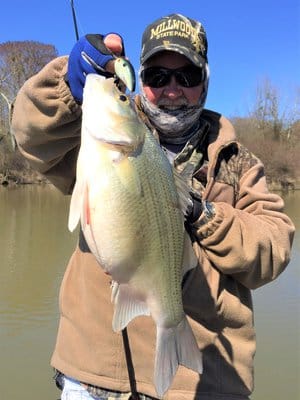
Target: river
(36, 246)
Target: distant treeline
(272, 135)
(278, 147)
(278, 152)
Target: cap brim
(192, 56)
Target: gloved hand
(194, 209)
(89, 55)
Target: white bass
(128, 204)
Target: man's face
(172, 95)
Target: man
(231, 201)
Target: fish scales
(126, 199)
(165, 218)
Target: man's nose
(173, 89)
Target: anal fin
(127, 306)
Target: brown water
(36, 246)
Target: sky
(249, 42)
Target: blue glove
(89, 55)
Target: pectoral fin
(128, 176)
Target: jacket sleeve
(252, 239)
(46, 123)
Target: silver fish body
(127, 201)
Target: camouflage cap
(177, 33)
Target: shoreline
(13, 180)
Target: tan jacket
(246, 245)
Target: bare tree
(266, 109)
(18, 62)
(272, 118)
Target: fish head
(109, 115)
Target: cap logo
(178, 27)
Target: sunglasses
(158, 77)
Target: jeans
(73, 390)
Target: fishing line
(76, 20)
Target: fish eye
(123, 97)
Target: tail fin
(175, 346)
